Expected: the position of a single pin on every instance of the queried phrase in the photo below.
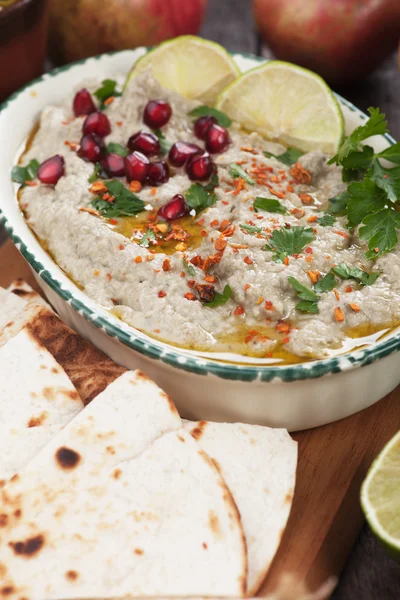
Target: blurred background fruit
(81, 28)
(342, 40)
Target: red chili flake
(348, 289)
(354, 307)
(225, 202)
(162, 294)
(166, 266)
(239, 310)
(286, 261)
(210, 279)
(289, 188)
(341, 233)
(306, 199)
(121, 247)
(286, 340)
(282, 327)
(190, 296)
(197, 261)
(339, 316)
(204, 233)
(113, 221)
(109, 276)
(247, 260)
(109, 100)
(120, 123)
(252, 333)
(337, 295)
(30, 183)
(308, 250)
(246, 287)
(300, 174)
(214, 223)
(182, 274)
(191, 283)
(138, 259)
(220, 244)
(268, 305)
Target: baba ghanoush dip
(197, 232)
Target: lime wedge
(191, 66)
(380, 496)
(286, 103)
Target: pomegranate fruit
(174, 209)
(136, 167)
(83, 103)
(157, 113)
(146, 143)
(51, 170)
(81, 28)
(180, 152)
(114, 165)
(202, 125)
(158, 173)
(97, 123)
(217, 139)
(332, 38)
(200, 167)
(91, 148)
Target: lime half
(191, 66)
(286, 103)
(380, 496)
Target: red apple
(81, 28)
(342, 40)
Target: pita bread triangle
(129, 505)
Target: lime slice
(380, 496)
(191, 66)
(286, 103)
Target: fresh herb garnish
(125, 203)
(268, 204)
(97, 171)
(237, 171)
(115, 148)
(309, 299)
(165, 144)
(28, 173)
(251, 229)
(106, 91)
(326, 220)
(189, 268)
(285, 242)
(198, 198)
(220, 299)
(146, 239)
(346, 272)
(372, 201)
(212, 184)
(202, 111)
(289, 157)
(326, 284)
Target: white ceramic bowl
(291, 396)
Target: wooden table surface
(369, 574)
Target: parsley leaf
(338, 204)
(28, 173)
(165, 144)
(380, 231)
(202, 111)
(365, 198)
(189, 268)
(146, 239)
(125, 203)
(106, 91)
(97, 171)
(289, 157)
(309, 298)
(387, 179)
(269, 205)
(251, 229)
(198, 198)
(326, 220)
(357, 163)
(326, 284)
(346, 272)
(212, 184)
(220, 299)
(285, 242)
(115, 148)
(392, 153)
(375, 125)
(237, 171)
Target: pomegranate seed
(180, 153)
(114, 165)
(174, 209)
(217, 138)
(91, 148)
(158, 173)
(97, 123)
(51, 170)
(136, 167)
(157, 113)
(83, 103)
(202, 125)
(200, 167)
(146, 143)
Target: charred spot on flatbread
(67, 458)
(214, 524)
(197, 431)
(7, 590)
(28, 547)
(72, 575)
(37, 421)
(3, 520)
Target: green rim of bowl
(170, 354)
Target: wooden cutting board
(326, 516)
